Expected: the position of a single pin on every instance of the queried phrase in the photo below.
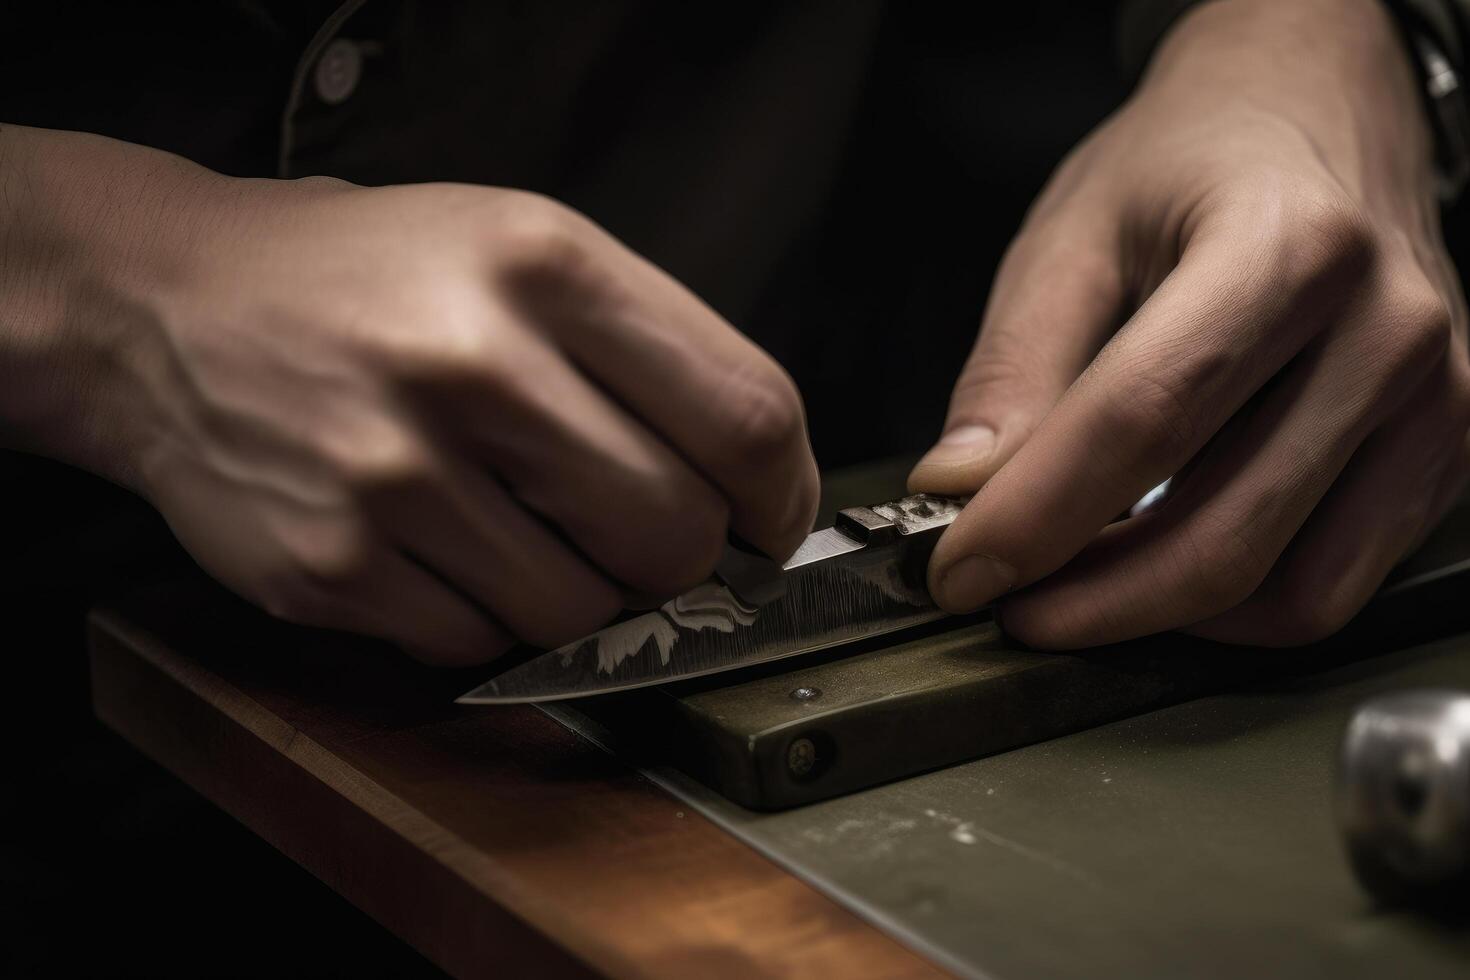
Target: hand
(1238, 279)
(444, 415)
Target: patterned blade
(862, 579)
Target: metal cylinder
(1404, 796)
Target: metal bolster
(866, 525)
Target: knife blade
(862, 577)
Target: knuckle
(1419, 323)
(1334, 231)
(384, 464)
(538, 239)
(444, 368)
(1222, 566)
(425, 353)
(1156, 412)
(329, 559)
(1319, 232)
(764, 417)
(497, 371)
(453, 356)
(1311, 235)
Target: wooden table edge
(135, 678)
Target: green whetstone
(817, 726)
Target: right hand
(453, 417)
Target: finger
(1224, 321)
(1214, 542)
(1057, 298)
(1396, 488)
(618, 493)
(390, 597)
(471, 533)
(714, 396)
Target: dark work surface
(1197, 841)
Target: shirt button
(338, 71)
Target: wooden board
(494, 841)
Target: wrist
(94, 233)
(1336, 70)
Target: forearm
(91, 232)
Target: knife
(862, 577)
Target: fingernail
(973, 581)
(965, 443)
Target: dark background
(112, 867)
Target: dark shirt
(706, 138)
(835, 177)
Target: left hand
(1240, 279)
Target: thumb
(1054, 304)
